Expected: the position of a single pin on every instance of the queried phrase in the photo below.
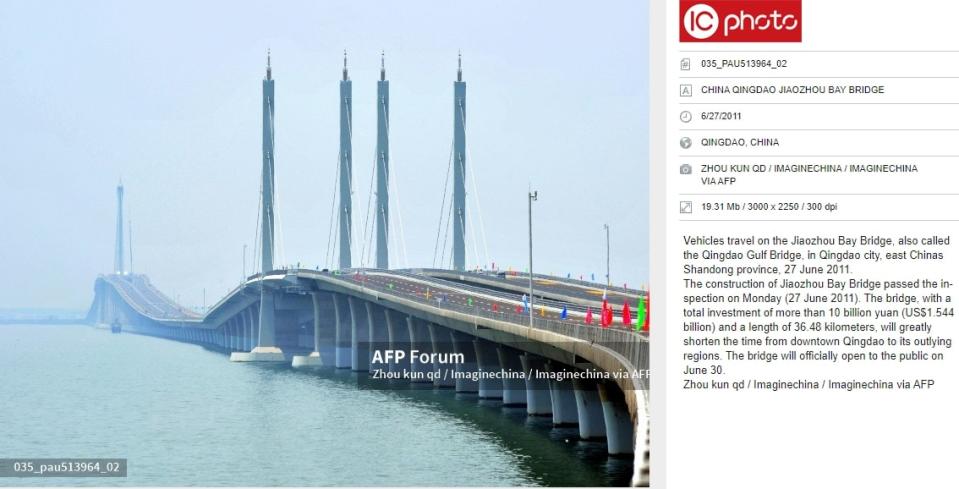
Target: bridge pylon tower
(382, 211)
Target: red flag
(646, 322)
(604, 318)
(627, 317)
(589, 315)
(518, 309)
(495, 307)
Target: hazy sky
(167, 95)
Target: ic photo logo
(740, 21)
(701, 21)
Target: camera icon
(686, 169)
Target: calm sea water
(185, 415)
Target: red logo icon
(740, 21)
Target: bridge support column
(591, 423)
(443, 345)
(487, 361)
(514, 390)
(359, 338)
(399, 340)
(255, 317)
(238, 343)
(619, 425)
(562, 399)
(314, 359)
(379, 335)
(463, 345)
(266, 349)
(247, 320)
(537, 390)
(420, 342)
(341, 313)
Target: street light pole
(244, 263)
(606, 226)
(532, 198)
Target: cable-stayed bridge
(510, 337)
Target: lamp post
(532, 198)
(606, 226)
(244, 263)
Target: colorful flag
(589, 315)
(563, 314)
(646, 319)
(542, 311)
(495, 307)
(627, 317)
(604, 314)
(469, 301)
(519, 309)
(640, 313)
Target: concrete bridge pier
(255, 321)
(419, 341)
(228, 335)
(619, 425)
(463, 345)
(514, 390)
(250, 340)
(487, 362)
(266, 349)
(241, 332)
(399, 340)
(442, 344)
(592, 425)
(562, 399)
(231, 335)
(238, 334)
(316, 357)
(537, 390)
(342, 337)
(378, 333)
(359, 337)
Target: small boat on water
(115, 327)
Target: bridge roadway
(544, 286)
(356, 312)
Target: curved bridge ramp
(550, 361)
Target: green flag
(640, 313)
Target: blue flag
(525, 303)
(563, 314)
